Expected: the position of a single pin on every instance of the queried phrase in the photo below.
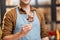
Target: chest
(22, 20)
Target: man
(23, 23)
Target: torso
(34, 34)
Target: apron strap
(17, 11)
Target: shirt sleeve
(44, 30)
(7, 24)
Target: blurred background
(50, 8)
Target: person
(24, 22)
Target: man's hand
(26, 29)
(45, 38)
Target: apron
(34, 33)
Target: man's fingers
(27, 28)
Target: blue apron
(34, 34)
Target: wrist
(18, 35)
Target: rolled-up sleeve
(44, 30)
(7, 24)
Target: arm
(44, 31)
(12, 36)
(7, 28)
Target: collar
(23, 12)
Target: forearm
(13, 37)
(45, 38)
